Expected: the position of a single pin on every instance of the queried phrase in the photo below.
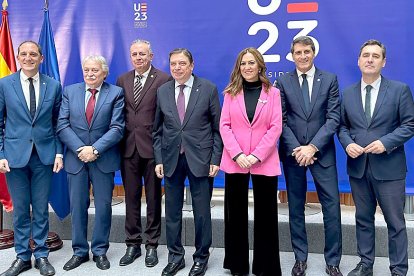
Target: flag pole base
(53, 242)
(6, 239)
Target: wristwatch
(95, 151)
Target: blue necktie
(305, 92)
(368, 103)
(32, 98)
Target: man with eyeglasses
(30, 152)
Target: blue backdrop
(215, 31)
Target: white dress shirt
(187, 90)
(309, 77)
(374, 93)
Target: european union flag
(59, 192)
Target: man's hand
(159, 170)
(375, 147)
(354, 150)
(85, 154)
(214, 169)
(252, 159)
(58, 164)
(304, 155)
(4, 166)
(243, 162)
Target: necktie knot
(182, 86)
(368, 88)
(93, 91)
(304, 76)
(30, 80)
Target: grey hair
(99, 59)
(142, 41)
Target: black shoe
(172, 268)
(75, 261)
(101, 262)
(44, 266)
(132, 252)
(151, 258)
(361, 270)
(17, 267)
(299, 269)
(198, 269)
(333, 270)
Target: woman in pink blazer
(250, 126)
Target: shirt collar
(23, 76)
(309, 74)
(188, 83)
(87, 87)
(376, 84)
(145, 74)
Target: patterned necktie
(137, 88)
(305, 92)
(32, 98)
(181, 103)
(368, 103)
(91, 105)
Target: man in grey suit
(187, 143)
(310, 103)
(30, 152)
(377, 118)
(91, 124)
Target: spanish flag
(7, 67)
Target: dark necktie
(137, 88)
(305, 92)
(91, 105)
(181, 103)
(32, 98)
(368, 103)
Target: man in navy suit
(91, 124)
(377, 118)
(187, 143)
(30, 152)
(310, 103)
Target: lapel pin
(262, 101)
(197, 90)
(152, 76)
(318, 80)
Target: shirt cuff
(59, 155)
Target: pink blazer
(258, 138)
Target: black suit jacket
(316, 127)
(199, 132)
(139, 118)
(392, 123)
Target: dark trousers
(174, 198)
(133, 169)
(102, 187)
(326, 183)
(266, 259)
(30, 185)
(390, 196)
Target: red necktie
(91, 105)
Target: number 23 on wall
(305, 26)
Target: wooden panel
(312, 197)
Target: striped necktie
(137, 88)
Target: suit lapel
(242, 105)
(80, 101)
(172, 102)
(195, 93)
(294, 81)
(260, 104)
(358, 101)
(380, 98)
(317, 80)
(42, 94)
(129, 88)
(149, 81)
(19, 92)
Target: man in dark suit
(310, 102)
(140, 86)
(187, 143)
(30, 152)
(91, 124)
(377, 118)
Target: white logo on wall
(140, 15)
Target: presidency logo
(140, 15)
